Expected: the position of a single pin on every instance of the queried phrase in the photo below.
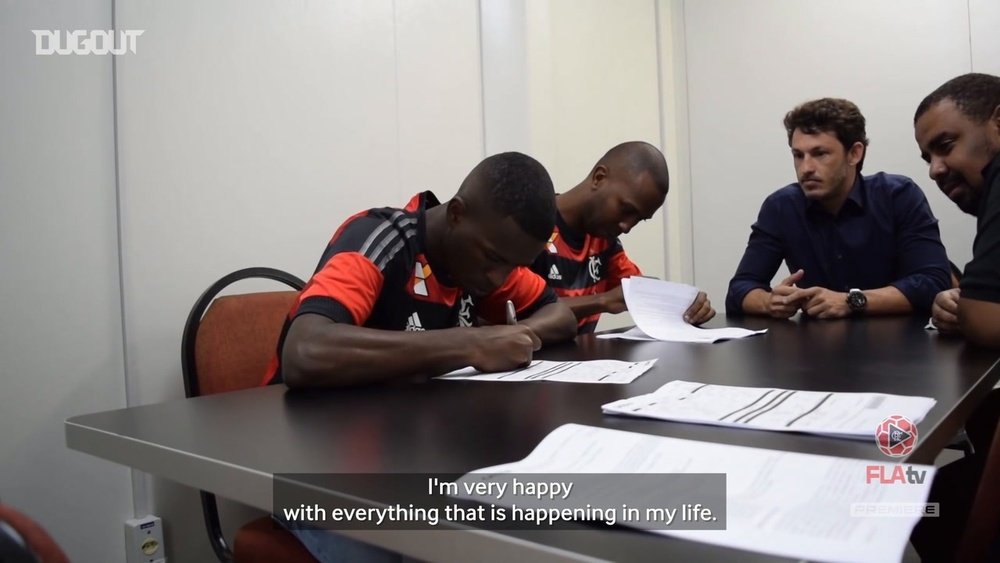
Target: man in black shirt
(958, 130)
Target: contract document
(590, 371)
(658, 306)
(802, 506)
(849, 415)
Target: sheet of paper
(852, 415)
(788, 504)
(591, 371)
(634, 333)
(658, 306)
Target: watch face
(857, 300)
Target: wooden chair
(227, 344)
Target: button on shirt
(884, 234)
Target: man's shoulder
(792, 193)
(384, 235)
(377, 223)
(892, 182)
(893, 193)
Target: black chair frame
(209, 506)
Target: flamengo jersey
(575, 265)
(375, 273)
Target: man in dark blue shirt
(855, 244)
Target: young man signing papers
(584, 261)
(399, 292)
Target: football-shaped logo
(896, 436)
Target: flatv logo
(896, 436)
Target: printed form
(590, 371)
(658, 306)
(795, 505)
(849, 415)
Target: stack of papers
(794, 505)
(592, 371)
(848, 415)
(658, 307)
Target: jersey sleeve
(351, 273)
(344, 290)
(526, 289)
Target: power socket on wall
(144, 540)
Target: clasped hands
(786, 299)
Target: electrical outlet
(144, 540)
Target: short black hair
(515, 185)
(640, 157)
(830, 115)
(976, 95)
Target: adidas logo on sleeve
(413, 323)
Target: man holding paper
(856, 245)
(584, 261)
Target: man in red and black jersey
(583, 260)
(402, 291)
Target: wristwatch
(857, 300)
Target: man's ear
(457, 209)
(856, 153)
(597, 176)
(994, 123)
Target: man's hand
(700, 311)
(613, 301)
(822, 303)
(783, 302)
(945, 311)
(503, 347)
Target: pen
(511, 313)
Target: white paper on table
(590, 371)
(849, 415)
(658, 306)
(634, 333)
(781, 503)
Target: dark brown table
(233, 444)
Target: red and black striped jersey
(575, 265)
(375, 273)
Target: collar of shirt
(427, 200)
(991, 174)
(855, 202)
(572, 238)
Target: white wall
(60, 334)
(750, 61)
(983, 18)
(575, 96)
(678, 231)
